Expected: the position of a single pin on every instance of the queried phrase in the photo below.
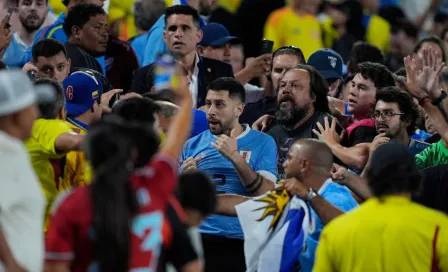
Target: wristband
(437, 101)
(233, 153)
(424, 100)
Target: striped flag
(275, 227)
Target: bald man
(308, 170)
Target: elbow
(360, 162)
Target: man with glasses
(396, 118)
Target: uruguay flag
(275, 228)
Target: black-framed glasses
(385, 115)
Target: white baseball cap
(17, 92)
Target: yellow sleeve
(442, 247)
(74, 171)
(329, 33)
(47, 131)
(323, 261)
(272, 29)
(378, 32)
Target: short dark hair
(401, 72)
(431, 39)
(147, 12)
(318, 87)
(51, 110)
(364, 52)
(136, 109)
(393, 170)
(79, 15)
(196, 191)
(290, 50)
(377, 73)
(184, 10)
(405, 104)
(48, 48)
(407, 27)
(235, 89)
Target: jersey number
(149, 227)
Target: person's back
(386, 234)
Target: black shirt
(179, 251)
(285, 138)
(253, 111)
(434, 189)
(80, 58)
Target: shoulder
(339, 196)
(144, 70)
(276, 16)
(201, 137)
(215, 63)
(70, 199)
(260, 136)
(54, 126)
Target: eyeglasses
(385, 115)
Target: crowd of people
(104, 170)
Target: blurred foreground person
(404, 236)
(120, 222)
(22, 202)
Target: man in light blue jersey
(56, 31)
(239, 160)
(155, 44)
(32, 14)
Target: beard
(218, 127)
(205, 9)
(290, 116)
(31, 22)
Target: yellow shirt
(394, 235)
(377, 32)
(75, 162)
(285, 27)
(45, 159)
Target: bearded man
(302, 104)
(32, 14)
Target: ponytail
(114, 205)
(110, 145)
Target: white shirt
(22, 205)
(194, 82)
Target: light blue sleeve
(154, 46)
(102, 61)
(267, 160)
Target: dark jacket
(81, 58)
(209, 70)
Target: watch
(437, 101)
(311, 194)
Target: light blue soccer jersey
(259, 150)
(15, 54)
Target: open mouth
(178, 43)
(382, 127)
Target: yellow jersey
(285, 27)
(45, 159)
(377, 32)
(75, 162)
(391, 234)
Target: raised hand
(226, 145)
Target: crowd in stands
(142, 135)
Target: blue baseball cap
(328, 62)
(81, 90)
(217, 35)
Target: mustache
(286, 98)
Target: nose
(179, 32)
(353, 91)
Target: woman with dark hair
(119, 222)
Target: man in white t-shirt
(21, 200)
